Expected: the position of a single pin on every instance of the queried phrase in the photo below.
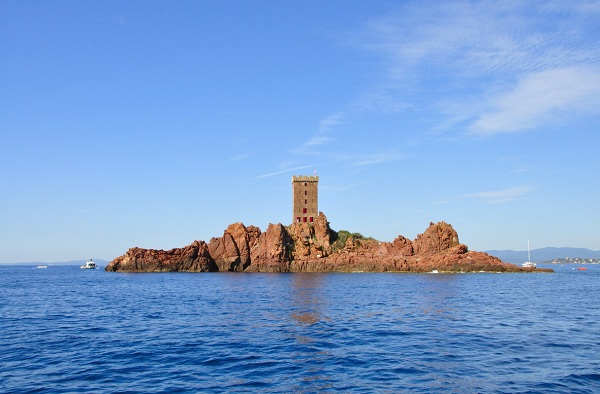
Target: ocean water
(66, 330)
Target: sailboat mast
(528, 252)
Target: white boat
(42, 266)
(89, 265)
(528, 263)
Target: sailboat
(528, 263)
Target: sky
(153, 124)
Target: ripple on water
(67, 332)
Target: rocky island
(315, 247)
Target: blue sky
(153, 124)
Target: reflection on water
(307, 298)
(438, 295)
(313, 350)
(306, 318)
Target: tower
(305, 198)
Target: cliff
(315, 247)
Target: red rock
(308, 247)
(437, 238)
(273, 251)
(193, 258)
(231, 252)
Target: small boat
(42, 266)
(528, 263)
(581, 268)
(89, 265)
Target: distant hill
(544, 254)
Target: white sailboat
(528, 263)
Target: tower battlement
(305, 198)
(305, 178)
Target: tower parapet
(305, 178)
(305, 198)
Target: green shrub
(339, 240)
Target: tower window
(304, 210)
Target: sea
(68, 330)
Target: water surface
(69, 330)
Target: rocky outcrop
(315, 247)
(402, 246)
(273, 251)
(436, 239)
(311, 239)
(192, 258)
(231, 252)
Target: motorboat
(42, 266)
(89, 265)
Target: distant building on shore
(305, 198)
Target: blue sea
(67, 330)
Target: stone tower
(305, 195)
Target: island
(312, 246)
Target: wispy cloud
(480, 38)
(330, 122)
(502, 196)
(321, 137)
(284, 171)
(377, 158)
(317, 140)
(495, 68)
(239, 157)
(309, 147)
(540, 98)
(346, 187)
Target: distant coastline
(571, 260)
(545, 255)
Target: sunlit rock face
(315, 247)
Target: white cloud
(540, 98)
(488, 67)
(480, 38)
(502, 196)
